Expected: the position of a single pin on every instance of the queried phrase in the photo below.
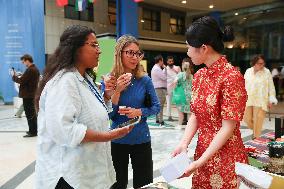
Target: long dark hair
(65, 55)
(206, 30)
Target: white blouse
(260, 88)
(67, 108)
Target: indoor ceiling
(203, 5)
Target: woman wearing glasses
(261, 94)
(73, 124)
(130, 92)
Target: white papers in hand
(175, 167)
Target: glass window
(86, 15)
(152, 20)
(112, 12)
(177, 25)
(146, 14)
(173, 21)
(147, 25)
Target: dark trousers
(30, 112)
(141, 160)
(62, 184)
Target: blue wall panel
(21, 31)
(127, 18)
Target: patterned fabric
(218, 93)
(260, 88)
(186, 85)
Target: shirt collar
(79, 76)
(158, 66)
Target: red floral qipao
(218, 93)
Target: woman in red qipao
(218, 104)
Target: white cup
(122, 107)
(128, 76)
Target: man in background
(171, 72)
(159, 79)
(28, 85)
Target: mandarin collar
(217, 65)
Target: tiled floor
(18, 153)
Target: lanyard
(96, 93)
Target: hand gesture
(110, 84)
(180, 148)
(12, 72)
(121, 132)
(173, 84)
(190, 169)
(123, 81)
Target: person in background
(217, 104)
(159, 78)
(275, 72)
(28, 85)
(171, 72)
(20, 110)
(277, 81)
(132, 86)
(73, 148)
(261, 94)
(184, 80)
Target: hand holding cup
(110, 84)
(123, 81)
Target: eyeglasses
(131, 54)
(260, 64)
(94, 45)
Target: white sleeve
(62, 108)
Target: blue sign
(21, 32)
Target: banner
(21, 32)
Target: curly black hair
(65, 54)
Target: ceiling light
(183, 2)
(142, 21)
(236, 14)
(244, 18)
(230, 46)
(211, 6)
